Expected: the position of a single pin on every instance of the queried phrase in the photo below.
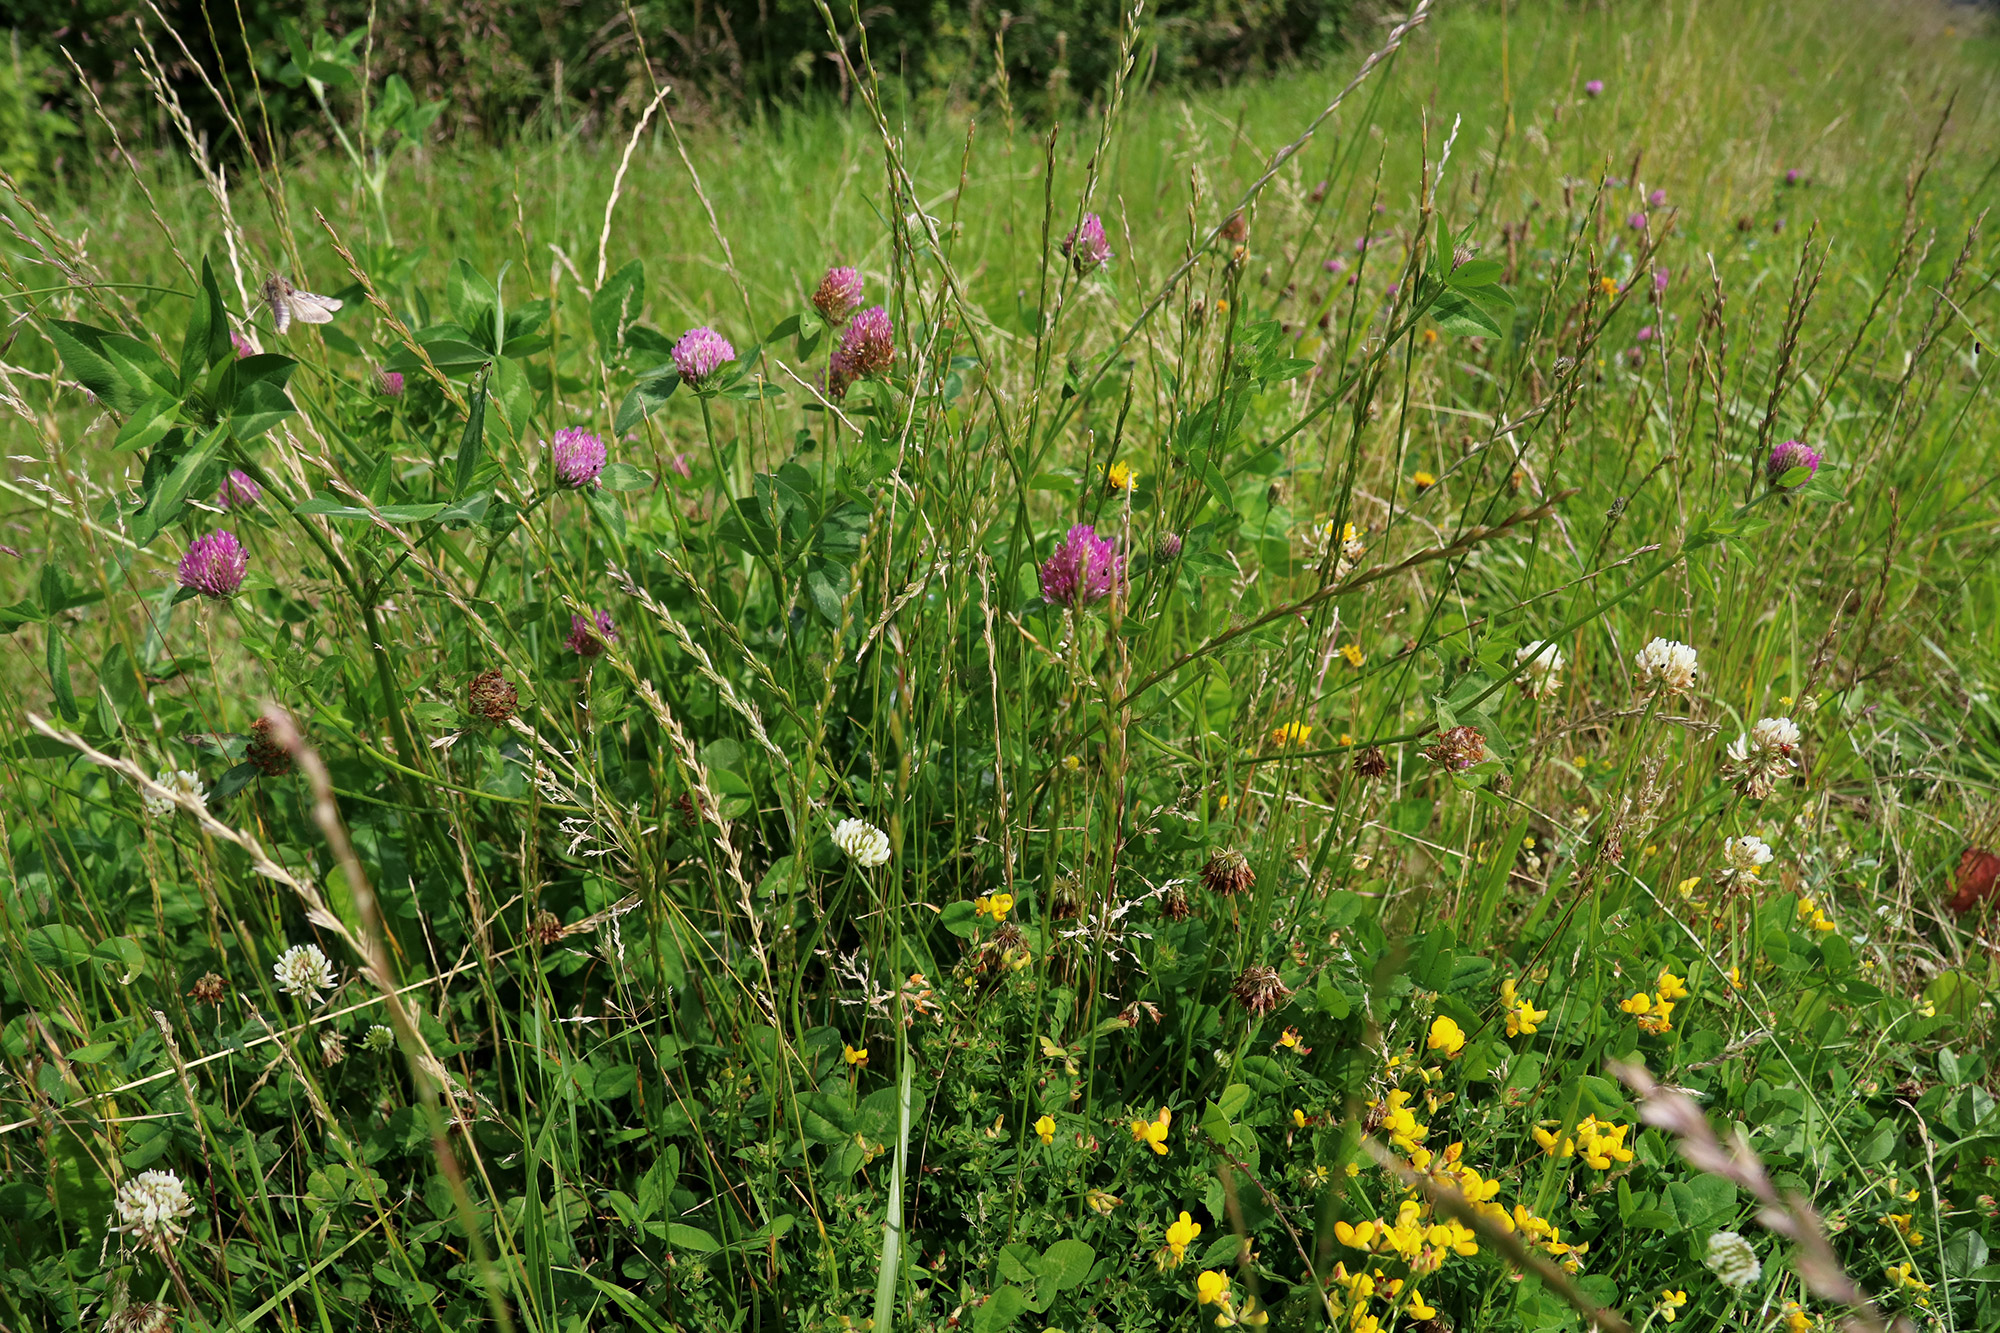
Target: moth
(289, 303)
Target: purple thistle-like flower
(1594, 88)
(389, 383)
(214, 565)
(1335, 265)
(1660, 277)
(1646, 333)
(1084, 567)
(839, 294)
(699, 352)
(589, 638)
(1086, 247)
(579, 457)
(238, 491)
(1792, 176)
(244, 347)
(1657, 198)
(869, 345)
(1789, 455)
(1637, 222)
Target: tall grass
(619, 1035)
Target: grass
(1270, 936)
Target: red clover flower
(699, 353)
(1084, 567)
(579, 457)
(214, 565)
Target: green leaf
(1464, 318)
(625, 477)
(453, 356)
(691, 1238)
(616, 305)
(167, 491)
(1475, 273)
(123, 956)
(232, 781)
(206, 342)
(472, 444)
(260, 405)
(327, 507)
(1001, 1309)
(58, 945)
(1070, 1262)
(471, 297)
(59, 683)
(81, 348)
(148, 425)
(646, 398)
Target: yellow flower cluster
(1181, 1234)
(1446, 1036)
(854, 1055)
(1120, 477)
(1522, 1016)
(1656, 1011)
(1363, 1287)
(1045, 1130)
(1294, 734)
(1904, 1224)
(1670, 1303)
(1795, 1318)
(1809, 914)
(995, 905)
(1212, 1288)
(1546, 1235)
(1400, 1122)
(1901, 1278)
(1416, 1237)
(1154, 1133)
(1597, 1142)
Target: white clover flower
(181, 781)
(155, 1205)
(1544, 663)
(332, 1048)
(1743, 856)
(304, 971)
(865, 844)
(1776, 733)
(1731, 1258)
(1669, 663)
(1760, 757)
(379, 1039)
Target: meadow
(1363, 700)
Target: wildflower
(141, 1317)
(379, 1041)
(995, 905)
(1258, 989)
(1608, 285)
(1045, 1130)
(1810, 916)
(1086, 248)
(214, 565)
(1422, 480)
(1352, 652)
(1637, 222)
(1294, 734)
(1792, 176)
(264, 753)
(864, 844)
(209, 988)
(1645, 334)
(1761, 756)
(853, 1055)
(1594, 88)
(1457, 749)
(1446, 1036)
(1227, 872)
(1731, 1258)
(488, 695)
(1181, 1234)
(156, 1205)
(332, 1048)
(1236, 228)
(589, 638)
(1120, 477)
(1541, 663)
(1601, 1144)
(242, 345)
(1167, 548)
(1789, 457)
(1742, 857)
(182, 782)
(1083, 568)
(288, 303)
(1102, 1201)
(1670, 1303)
(303, 971)
(579, 457)
(1371, 762)
(389, 383)
(1669, 663)
(1795, 1318)
(238, 491)
(868, 347)
(1901, 1277)
(1153, 1133)
(1211, 1287)
(1670, 986)
(1289, 1039)
(699, 353)
(1174, 904)
(1657, 198)
(1522, 1016)
(838, 294)
(1417, 1308)
(1661, 276)
(1905, 1224)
